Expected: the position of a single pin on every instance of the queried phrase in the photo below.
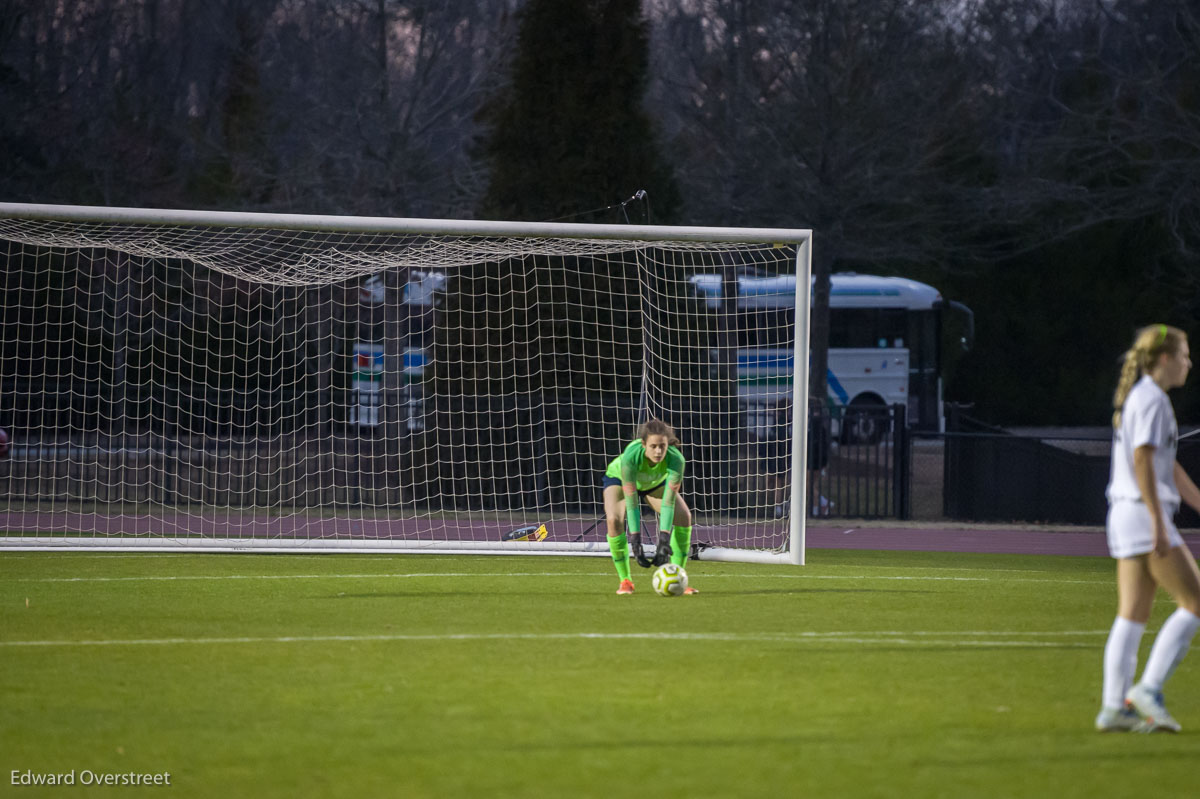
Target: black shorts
(616, 481)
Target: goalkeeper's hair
(1151, 342)
(657, 427)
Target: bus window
(862, 328)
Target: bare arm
(1187, 488)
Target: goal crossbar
(423, 227)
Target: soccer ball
(669, 580)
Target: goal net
(221, 381)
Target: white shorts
(1130, 532)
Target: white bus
(885, 348)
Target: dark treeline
(1036, 160)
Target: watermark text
(89, 777)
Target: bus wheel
(866, 421)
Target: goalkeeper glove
(662, 552)
(635, 546)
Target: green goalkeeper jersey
(632, 466)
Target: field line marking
(365, 576)
(923, 638)
(76, 554)
(498, 575)
(379, 557)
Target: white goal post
(218, 381)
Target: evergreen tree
(568, 133)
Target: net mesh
(181, 383)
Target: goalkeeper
(652, 467)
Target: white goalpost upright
(217, 381)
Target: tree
(323, 106)
(565, 135)
(839, 116)
(1097, 145)
(568, 133)
(377, 100)
(934, 138)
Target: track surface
(1008, 540)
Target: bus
(885, 348)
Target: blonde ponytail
(1130, 372)
(1151, 342)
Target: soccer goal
(234, 381)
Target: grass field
(863, 674)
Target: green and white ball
(669, 580)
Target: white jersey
(1147, 418)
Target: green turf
(862, 674)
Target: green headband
(1162, 335)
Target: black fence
(860, 476)
(992, 474)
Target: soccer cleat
(1149, 704)
(690, 590)
(626, 587)
(1124, 720)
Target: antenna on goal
(638, 196)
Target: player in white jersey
(1145, 488)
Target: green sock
(681, 544)
(619, 547)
